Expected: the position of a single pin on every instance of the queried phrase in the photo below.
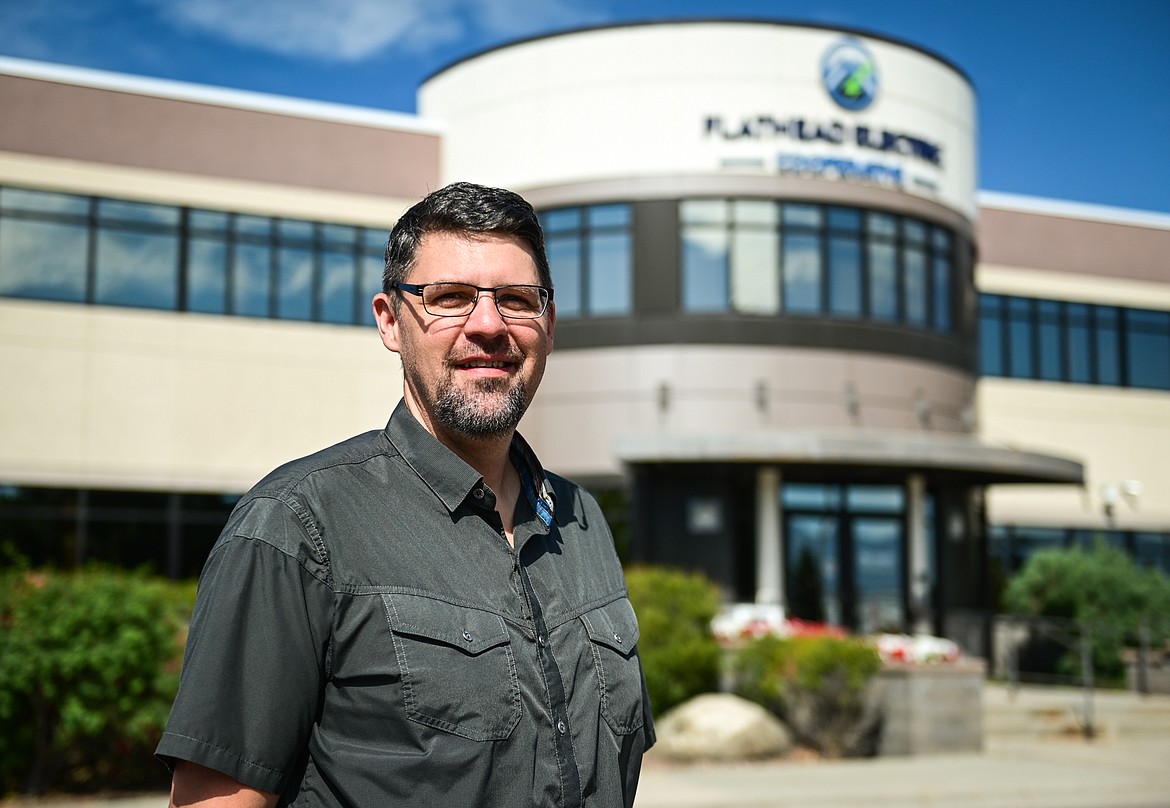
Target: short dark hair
(463, 207)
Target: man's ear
(552, 323)
(387, 321)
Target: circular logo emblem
(850, 75)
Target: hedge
(680, 657)
(89, 666)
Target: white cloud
(351, 30)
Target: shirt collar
(451, 479)
(532, 480)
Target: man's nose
(485, 317)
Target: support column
(769, 558)
(918, 587)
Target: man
(422, 616)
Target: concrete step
(1038, 712)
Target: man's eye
(451, 298)
(519, 301)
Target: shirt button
(561, 727)
(618, 638)
(540, 639)
(477, 493)
(466, 635)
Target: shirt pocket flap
(613, 625)
(472, 631)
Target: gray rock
(720, 727)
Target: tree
(1102, 591)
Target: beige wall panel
(1118, 434)
(590, 398)
(143, 131)
(1054, 285)
(123, 398)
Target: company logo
(850, 75)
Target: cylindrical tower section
(752, 226)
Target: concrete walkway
(1032, 758)
(1023, 765)
(1060, 773)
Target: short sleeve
(255, 665)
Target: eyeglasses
(517, 302)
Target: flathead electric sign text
(769, 127)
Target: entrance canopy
(965, 456)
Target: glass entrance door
(877, 572)
(844, 554)
(813, 584)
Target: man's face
(471, 376)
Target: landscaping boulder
(720, 727)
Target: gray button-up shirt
(364, 635)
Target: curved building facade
(762, 239)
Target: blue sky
(1074, 96)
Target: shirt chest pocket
(613, 635)
(458, 670)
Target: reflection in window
(1074, 342)
(1078, 343)
(755, 264)
(914, 284)
(251, 279)
(845, 548)
(294, 291)
(1020, 337)
(875, 498)
(704, 269)
(1108, 345)
(802, 273)
(882, 229)
(43, 260)
(564, 257)
(1013, 545)
(206, 276)
(845, 262)
(338, 288)
(1148, 349)
(763, 256)
(991, 342)
(122, 252)
(941, 278)
(610, 271)
(1050, 345)
(22, 200)
(590, 255)
(137, 269)
(877, 561)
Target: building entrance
(845, 554)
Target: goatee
(491, 409)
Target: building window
(1014, 545)
(590, 254)
(125, 253)
(762, 257)
(170, 533)
(1080, 343)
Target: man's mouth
(479, 363)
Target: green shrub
(680, 657)
(816, 685)
(89, 665)
(1104, 590)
